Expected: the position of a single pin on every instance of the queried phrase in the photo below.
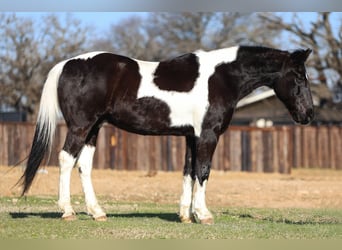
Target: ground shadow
(44, 215)
(283, 220)
(171, 217)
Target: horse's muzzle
(303, 118)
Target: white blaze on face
(187, 108)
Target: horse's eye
(297, 90)
(299, 80)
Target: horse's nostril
(310, 114)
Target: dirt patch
(308, 188)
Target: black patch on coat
(177, 74)
(88, 88)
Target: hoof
(207, 221)
(186, 220)
(71, 217)
(101, 218)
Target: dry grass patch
(304, 188)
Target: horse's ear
(300, 56)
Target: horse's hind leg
(67, 160)
(79, 147)
(185, 209)
(85, 164)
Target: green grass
(39, 218)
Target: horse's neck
(262, 73)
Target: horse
(192, 95)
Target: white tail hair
(46, 122)
(49, 105)
(46, 126)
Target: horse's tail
(45, 127)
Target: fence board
(284, 146)
(275, 149)
(218, 158)
(336, 147)
(268, 166)
(323, 147)
(235, 150)
(297, 149)
(257, 151)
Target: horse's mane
(260, 50)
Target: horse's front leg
(85, 163)
(185, 210)
(205, 146)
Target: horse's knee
(203, 172)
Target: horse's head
(293, 87)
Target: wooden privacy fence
(276, 149)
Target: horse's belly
(185, 109)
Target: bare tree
(19, 62)
(28, 50)
(163, 35)
(238, 28)
(181, 32)
(323, 38)
(184, 32)
(131, 37)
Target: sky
(167, 5)
(101, 21)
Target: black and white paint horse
(193, 95)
